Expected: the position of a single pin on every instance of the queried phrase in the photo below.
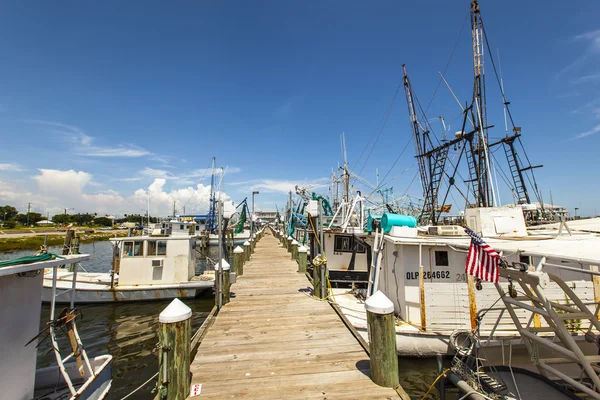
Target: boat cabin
(149, 260)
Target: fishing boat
(421, 267)
(151, 267)
(75, 376)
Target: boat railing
(533, 298)
(68, 320)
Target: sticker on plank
(196, 389)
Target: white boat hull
(95, 288)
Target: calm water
(129, 333)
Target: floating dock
(274, 341)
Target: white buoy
(177, 311)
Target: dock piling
(226, 279)
(302, 251)
(174, 335)
(382, 340)
(288, 243)
(238, 261)
(246, 251)
(294, 249)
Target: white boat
(144, 268)
(423, 273)
(75, 376)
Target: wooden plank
(274, 341)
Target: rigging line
(449, 60)
(397, 175)
(394, 164)
(503, 174)
(487, 43)
(411, 182)
(383, 117)
(194, 192)
(389, 111)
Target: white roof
(15, 269)
(580, 246)
(584, 225)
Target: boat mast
(212, 212)
(485, 189)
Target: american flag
(482, 260)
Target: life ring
(462, 342)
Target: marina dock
(275, 341)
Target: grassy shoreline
(34, 242)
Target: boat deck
(274, 341)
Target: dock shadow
(364, 366)
(307, 290)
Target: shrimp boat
(75, 376)
(144, 268)
(421, 269)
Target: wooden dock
(274, 341)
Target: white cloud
(11, 167)
(52, 181)
(593, 38)
(587, 79)
(58, 189)
(154, 173)
(282, 186)
(122, 150)
(82, 143)
(592, 131)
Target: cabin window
(138, 249)
(151, 248)
(127, 249)
(181, 227)
(441, 258)
(133, 249)
(161, 248)
(345, 244)
(342, 243)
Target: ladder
(533, 298)
(67, 316)
(515, 171)
(437, 163)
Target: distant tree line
(10, 217)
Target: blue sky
(104, 104)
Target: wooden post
(294, 250)
(422, 293)
(75, 245)
(247, 251)
(238, 261)
(472, 301)
(67, 246)
(226, 286)
(317, 287)
(596, 280)
(302, 259)
(252, 244)
(288, 243)
(382, 340)
(174, 336)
